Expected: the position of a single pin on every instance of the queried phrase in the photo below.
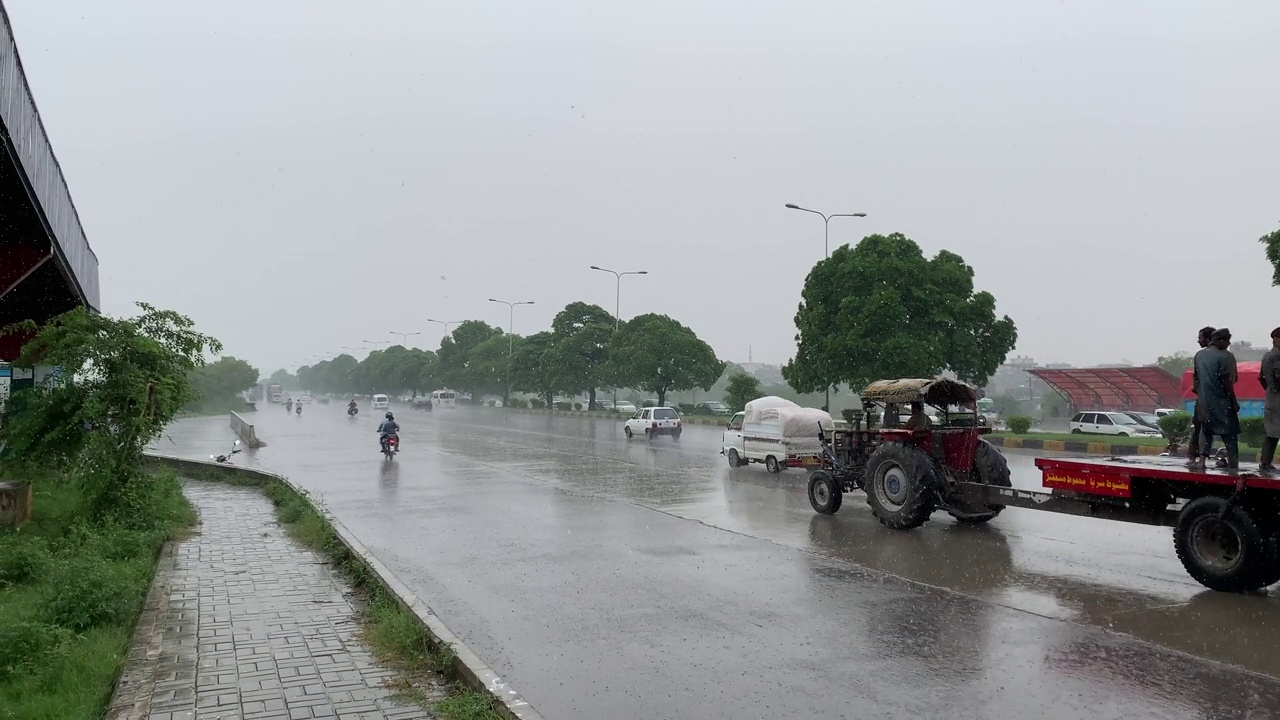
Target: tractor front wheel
(825, 494)
(900, 486)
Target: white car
(1110, 423)
(624, 407)
(652, 422)
(380, 402)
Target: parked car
(652, 422)
(1110, 423)
(624, 407)
(713, 407)
(1161, 412)
(1151, 420)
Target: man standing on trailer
(1215, 380)
(1270, 380)
(1193, 442)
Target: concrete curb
(605, 415)
(468, 666)
(245, 430)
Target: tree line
(586, 350)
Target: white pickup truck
(776, 432)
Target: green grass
(71, 588)
(394, 633)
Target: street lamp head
(792, 206)
(859, 215)
(642, 272)
(593, 267)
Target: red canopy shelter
(1128, 388)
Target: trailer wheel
(771, 464)
(1229, 554)
(900, 485)
(990, 468)
(825, 494)
(734, 460)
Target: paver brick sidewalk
(243, 623)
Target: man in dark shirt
(1215, 386)
(1269, 377)
(1193, 443)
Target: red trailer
(1226, 524)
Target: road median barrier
(245, 431)
(367, 572)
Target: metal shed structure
(1128, 388)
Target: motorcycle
(352, 409)
(390, 445)
(299, 410)
(235, 448)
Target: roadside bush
(1019, 424)
(25, 643)
(851, 415)
(22, 560)
(577, 406)
(518, 403)
(85, 592)
(687, 409)
(1176, 426)
(1252, 432)
(537, 404)
(564, 406)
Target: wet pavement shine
(613, 579)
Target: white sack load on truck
(776, 432)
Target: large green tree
(741, 389)
(218, 383)
(122, 381)
(1271, 242)
(881, 309)
(532, 367)
(1175, 364)
(655, 353)
(455, 351)
(580, 351)
(489, 367)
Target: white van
(444, 400)
(776, 432)
(380, 402)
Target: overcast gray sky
(300, 175)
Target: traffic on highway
(613, 578)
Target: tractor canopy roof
(939, 392)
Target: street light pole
(826, 248)
(445, 324)
(404, 337)
(617, 307)
(376, 343)
(511, 338)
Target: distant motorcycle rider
(386, 428)
(351, 407)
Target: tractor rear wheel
(990, 467)
(900, 485)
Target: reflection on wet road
(607, 578)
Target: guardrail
(244, 429)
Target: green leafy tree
(882, 310)
(580, 353)
(532, 367)
(1175, 364)
(489, 367)
(285, 379)
(655, 353)
(742, 389)
(1271, 242)
(219, 383)
(123, 381)
(455, 352)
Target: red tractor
(909, 469)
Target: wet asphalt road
(608, 579)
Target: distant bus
(444, 400)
